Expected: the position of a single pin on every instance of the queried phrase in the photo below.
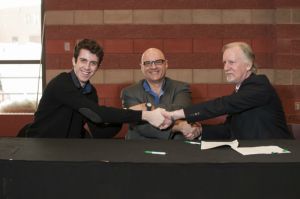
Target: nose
(87, 64)
(226, 65)
(152, 65)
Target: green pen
(155, 152)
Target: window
(20, 55)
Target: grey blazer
(176, 95)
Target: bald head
(152, 52)
(154, 65)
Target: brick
(293, 118)
(283, 77)
(130, 61)
(263, 44)
(52, 61)
(183, 16)
(158, 4)
(195, 60)
(118, 45)
(110, 61)
(264, 60)
(206, 16)
(184, 75)
(199, 91)
(98, 78)
(268, 72)
(66, 61)
(178, 45)
(12, 123)
(148, 16)
(287, 31)
(118, 17)
(296, 16)
(283, 46)
(295, 46)
(296, 91)
(296, 78)
(286, 61)
(286, 3)
(59, 17)
(152, 31)
(207, 45)
(89, 17)
(140, 45)
(263, 16)
(118, 76)
(207, 75)
(283, 16)
(107, 90)
(55, 46)
(218, 90)
(284, 91)
(246, 31)
(137, 75)
(236, 16)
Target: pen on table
(191, 142)
(155, 152)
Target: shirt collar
(87, 87)
(148, 89)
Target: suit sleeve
(67, 94)
(250, 95)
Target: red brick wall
(189, 34)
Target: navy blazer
(254, 112)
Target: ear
(73, 61)
(249, 66)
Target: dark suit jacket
(64, 109)
(176, 96)
(254, 112)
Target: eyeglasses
(158, 62)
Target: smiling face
(154, 65)
(86, 65)
(236, 65)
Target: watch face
(149, 106)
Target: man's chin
(230, 80)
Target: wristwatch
(149, 106)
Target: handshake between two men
(163, 119)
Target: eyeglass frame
(155, 62)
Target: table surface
(125, 151)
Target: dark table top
(125, 151)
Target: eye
(159, 62)
(94, 63)
(84, 61)
(147, 63)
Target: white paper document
(244, 150)
(210, 145)
(260, 150)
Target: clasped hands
(162, 119)
(158, 117)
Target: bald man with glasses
(157, 90)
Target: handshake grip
(159, 118)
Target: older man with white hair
(254, 110)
